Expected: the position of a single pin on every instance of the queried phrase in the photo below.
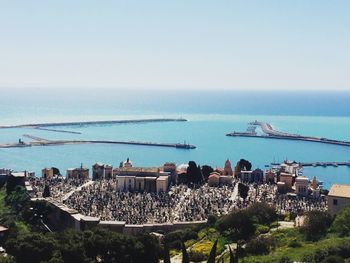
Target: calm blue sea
(211, 115)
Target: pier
(270, 133)
(44, 142)
(56, 130)
(85, 123)
(319, 164)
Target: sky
(182, 44)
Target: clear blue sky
(296, 44)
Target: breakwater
(44, 142)
(320, 164)
(270, 133)
(84, 123)
(56, 130)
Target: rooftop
(138, 169)
(302, 178)
(19, 174)
(340, 190)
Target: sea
(210, 114)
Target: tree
(262, 213)
(56, 171)
(316, 224)
(243, 190)
(238, 223)
(333, 259)
(31, 247)
(18, 200)
(206, 171)
(243, 164)
(260, 245)
(341, 224)
(46, 192)
(194, 173)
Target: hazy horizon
(196, 45)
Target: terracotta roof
(214, 174)
(340, 190)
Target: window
(335, 201)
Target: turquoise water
(206, 131)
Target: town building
(78, 173)
(162, 183)
(126, 164)
(245, 176)
(47, 173)
(141, 179)
(281, 188)
(270, 176)
(301, 186)
(257, 176)
(228, 168)
(181, 172)
(315, 188)
(288, 179)
(225, 180)
(102, 171)
(4, 173)
(214, 179)
(18, 177)
(338, 198)
(170, 168)
(290, 167)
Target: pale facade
(78, 173)
(301, 186)
(338, 198)
(162, 184)
(225, 179)
(47, 173)
(101, 171)
(141, 179)
(287, 178)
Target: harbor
(271, 133)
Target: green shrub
(261, 229)
(274, 224)
(197, 256)
(174, 238)
(260, 245)
(285, 259)
(333, 259)
(316, 224)
(341, 224)
(294, 243)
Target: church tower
(228, 168)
